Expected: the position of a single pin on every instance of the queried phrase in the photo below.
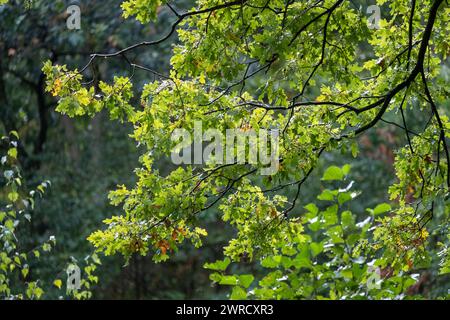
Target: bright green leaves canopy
(316, 72)
(335, 259)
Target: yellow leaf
(83, 97)
(57, 283)
(12, 153)
(57, 87)
(201, 231)
(202, 79)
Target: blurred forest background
(85, 159)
